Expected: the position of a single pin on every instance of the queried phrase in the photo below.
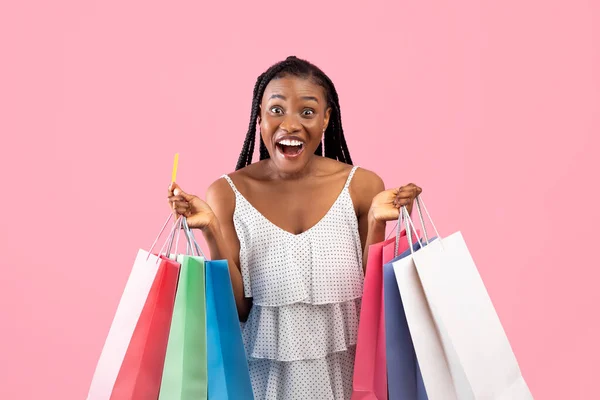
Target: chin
(290, 165)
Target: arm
(223, 242)
(375, 206)
(365, 186)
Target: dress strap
(228, 179)
(347, 185)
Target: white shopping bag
(427, 340)
(460, 343)
(128, 313)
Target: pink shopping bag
(140, 374)
(370, 374)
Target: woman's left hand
(386, 205)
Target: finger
(186, 196)
(395, 193)
(406, 195)
(398, 201)
(409, 191)
(181, 207)
(409, 186)
(172, 187)
(182, 211)
(176, 198)
(181, 203)
(417, 190)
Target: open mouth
(290, 147)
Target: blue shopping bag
(404, 375)
(228, 374)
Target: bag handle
(408, 221)
(173, 237)
(192, 240)
(419, 202)
(161, 232)
(189, 248)
(405, 218)
(169, 240)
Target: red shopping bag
(141, 371)
(142, 278)
(370, 374)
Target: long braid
(338, 147)
(248, 147)
(334, 141)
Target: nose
(290, 123)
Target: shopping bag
(464, 309)
(141, 372)
(428, 342)
(370, 376)
(137, 290)
(404, 376)
(480, 361)
(185, 369)
(228, 373)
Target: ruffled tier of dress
(306, 269)
(302, 348)
(301, 331)
(328, 378)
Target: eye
(276, 110)
(308, 112)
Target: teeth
(287, 142)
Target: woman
(295, 228)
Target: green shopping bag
(185, 369)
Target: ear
(326, 119)
(259, 114)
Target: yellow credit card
(175, 163)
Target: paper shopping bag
(133, 299)
(228, 373)
(370, 376)
(404, 376)
(481, 360)
(427, 341)
(141, 372)
(185, 369)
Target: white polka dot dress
(300, 336)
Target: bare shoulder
(220, 194)
(366, 180)
(221, 198)
(364, 187)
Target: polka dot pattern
(320, 379)
(306, 288)
(301, 331)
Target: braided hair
(335, 143)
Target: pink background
(492, 107)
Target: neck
(308, 170)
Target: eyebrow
(282, 97)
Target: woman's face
(294, 114)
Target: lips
(290, 147)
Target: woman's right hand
(199, 215)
